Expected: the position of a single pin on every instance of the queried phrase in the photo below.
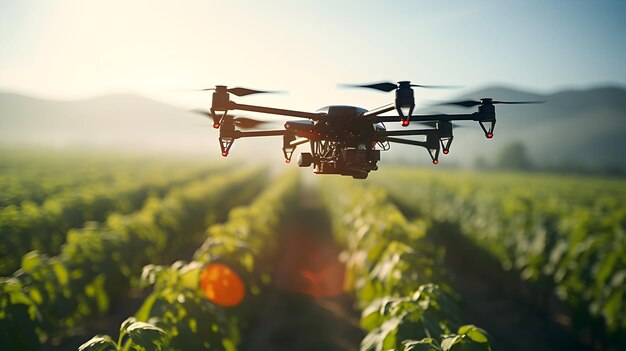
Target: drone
(347, 140)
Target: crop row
(34, 176)
(181, 316)
(43, 227)
(396, 275)
(49, 295)
(567, 236)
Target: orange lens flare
(221, 285)
(311, 266)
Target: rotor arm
(228, 136)
(431, 145)
(408, 142)
(384, 134)
(299, 142)
(263, 133)
(274, 111)
(377, 111)
(428, 118)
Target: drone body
(347, 140)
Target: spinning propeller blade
(436, 86)
(383, 86)
(203, 112)
(516, 102)
(241, 122)
(486, 101)
(466, 103)
(247, 123)
(244, 91)
(389, 86)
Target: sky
(76, 49)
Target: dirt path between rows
(494, 299)
(305, 308)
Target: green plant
(134, 335)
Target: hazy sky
(74, 49)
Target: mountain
(112, 121)
(584, 127)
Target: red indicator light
(216, 125)
(435, 161)
(446, 151)
(224, 153)
(489, 135)
(310, 130)
(405, 122)
(287, 160)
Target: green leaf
(127, 323)
(61, 272)
(189, 275)
(426, 344)
(382, 338)
(36, 296)
(145, 311)
(98, 343)
(31, 260)
(449, 341)
(474, 333)
(146, 335)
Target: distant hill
(112, 121)
(583, 127)
(586, 127)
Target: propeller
(239, 121)
(240, 91)
(389, 86)
(487, 101)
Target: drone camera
(354, 156)
(305, 159)
(360, 157)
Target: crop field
(111, 252)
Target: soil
(306, 308)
